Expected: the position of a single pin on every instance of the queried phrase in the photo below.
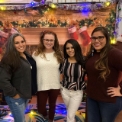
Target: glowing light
(53, 5)
(10, 114)
(118, 20)
(2, 8)
(113, 41)
(32, 3)
(84, 115)
(2, 1)
(32, 113)
(107, 4)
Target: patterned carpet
(32, 115)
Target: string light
(107, 4)
(53, 5)
(113, 41)
(76, 7)
(2, 8)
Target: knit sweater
(96, 86)
(48, 74)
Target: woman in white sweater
(48, 58)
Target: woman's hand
(16, 96)
(114, 91)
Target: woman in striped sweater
(72, 78)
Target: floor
(60, 114)
(59, 100)
(31, 114)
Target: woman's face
(49, 41)
(70, 50)
(19, 44)
(98, 41)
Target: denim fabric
(17, 107)
(102, 111)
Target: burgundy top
(96, 86)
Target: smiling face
(48, 42)
(98, 40)
(20, 44)
(70, 50)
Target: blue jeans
(102, 111)
(17, 107)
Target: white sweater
(48, 75)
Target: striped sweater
(73, 74)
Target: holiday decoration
(77, 7)
(86, 22)
(111, 23)
(85, 36)
(0, 50)
(6, 31)
(119, 22)
(73, 32)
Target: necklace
(27, 61)
(29, 64)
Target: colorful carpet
(32, 115)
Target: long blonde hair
(56, 48)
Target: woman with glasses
(103, 66)
(48, 58)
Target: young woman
(48, 58)
(72, 78)
(103, 69)
(15, 76)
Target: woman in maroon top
(103, 68)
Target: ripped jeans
(17, 107)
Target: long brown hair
(56, 48)
(11, 56)
(102, 63)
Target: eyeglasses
(99, 38)
(48, 40)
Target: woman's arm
(114, 91)
(5, 83)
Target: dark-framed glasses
(99, 38)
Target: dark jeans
(103, 111)
(42, 97)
